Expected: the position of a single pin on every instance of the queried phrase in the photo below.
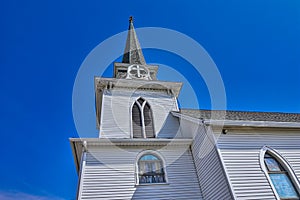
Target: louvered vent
(148, 121)
(142, 120)
(136, 122)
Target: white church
(148, 148)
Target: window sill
(150, 184)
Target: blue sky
(255, 45)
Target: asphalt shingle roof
(242, 115)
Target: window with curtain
(150, 170)
(142, 120)
(280, 178)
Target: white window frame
(142, 117)
(284, 163)
(160, 157)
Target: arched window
(142, 121)
(150, 169)
(280, 175)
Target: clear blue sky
(255, 44)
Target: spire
(133, 53)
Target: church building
(148, 148)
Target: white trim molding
(156, 154)
(141, 110)
(284, 163)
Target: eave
(77, 144)
(238, 123)
(253, 123)
(150, 85)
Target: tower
(141, 152)
(134, 104)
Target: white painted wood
(81, 173)
(109, 173)
(240, 151)
(284, 164)
(261, 124)
(116, 113)
(209, 168)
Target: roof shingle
(242, 115)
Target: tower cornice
(172, 88)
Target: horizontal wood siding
(116, 113)
(240, 153)
(170, 128)
(209, 167)
(109, 173)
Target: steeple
(133, 65)
(133, 53)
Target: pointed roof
(133, 53)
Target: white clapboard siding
(109, 173)
(209, 167)
(116, 113)
(240, 153)
(170, 128)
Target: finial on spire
(130, 19)
(133, 53)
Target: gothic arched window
(150, 169)
(142, 121)
(280, 175)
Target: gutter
(253, 123)
(244, 123)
